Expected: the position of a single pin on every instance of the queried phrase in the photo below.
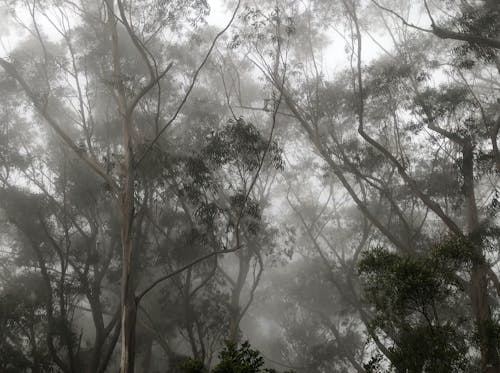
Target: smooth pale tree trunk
(479, 281)
(128, 304)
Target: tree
(144, 194)
(233, 359)
(419, 305)
(365, 109)
(128, 85)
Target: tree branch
(190, 88)
(13, 73)
(444, 33)
(182, 269)
(404, 21)
(470, 38)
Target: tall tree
(116, 29)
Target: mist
(211, 186)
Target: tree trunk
(127, 356)
(479, 280)
(234, 326)
(128, 301)
(97, 317)
(189, 316)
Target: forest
(249, 186)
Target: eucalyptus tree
(95, 64)
(455, 113)
(214, 211)
(391, 129)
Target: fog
(197, 186)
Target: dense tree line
(317, 177)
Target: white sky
(334, 56)
(219, 13)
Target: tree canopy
(249, 187)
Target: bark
(189, 316)
(108, 351)
(493, 137)
(128, 299)
(97, 317)
(443, 33)
(128, 308)
(234, 326)
(128, 304)
(479, 274)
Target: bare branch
(182, 269)
(444, 33)
(40, 106)
(190, 88)
(404, 21)
(358, 81)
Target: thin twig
(190, 88)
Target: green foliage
(232, 359)
(240, 143)
(192, 366)
(480, 20)
(417, 304)
(434, 104)
(243, 359)
(374, 364)
(12, 360)
(430, 349)
(162, 13)
(237, 149)
(22, 319)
